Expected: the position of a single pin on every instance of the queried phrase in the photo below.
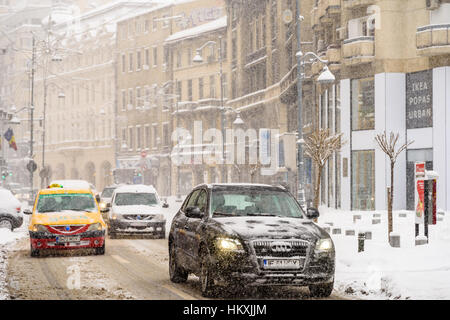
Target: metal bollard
(361, 238)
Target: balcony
(354, 4)
(333, 55)
(256, 57)
(433, 40)
(327, 9)
(358, 50)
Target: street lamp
(325, 77)
(61, 95)
(199, 59)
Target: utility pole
(222, 118)
(33, 62)
(300, 164)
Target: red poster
(419, 201)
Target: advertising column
(419, 201)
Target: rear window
(48, 203)
(108, 192)
(135, 199)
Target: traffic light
(4, 175)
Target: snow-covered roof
(198, 30)
(135, 188)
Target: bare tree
(319, 146)
(388, 147)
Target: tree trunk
(317, 188)
(391, 201)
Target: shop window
(363, 180)
(363, 104)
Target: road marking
(119, 259)
(178, 292)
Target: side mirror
(27, 211)
(312, 213)
(108, 205)
(194, 212)
(165, 205)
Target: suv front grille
(281, 248)
(137, 217)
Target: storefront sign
(419, 173)
(419, 99)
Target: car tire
(321, 290)
(162, 234)
(100, 251)
(207, 286)
(6, 223)
(34, 252)
(176, 273)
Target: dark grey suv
(249, 235)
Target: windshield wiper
(263, 214)
(85, 210)
(218, 213)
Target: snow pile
(384, 272)
(7, 238)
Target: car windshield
(107, 192)
(135, 199)
(255, 203)
(70, 201)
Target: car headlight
(40, 228)
(95, 227)
(158, 217)
(228, 244)
(324, 245)
(102, 205)
(115, 216)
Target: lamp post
(199, 59)
(60, 96)
(325, 77)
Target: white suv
(136, 209)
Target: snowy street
(131, 269)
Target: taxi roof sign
(55, 185)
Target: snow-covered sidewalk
(383, 272)
(7, 239)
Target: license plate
(68, 239)
(138, 224)
(282, 264)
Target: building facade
(392, 64)
(75, 94)
(145, 89)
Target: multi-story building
(262, 43)
(17, 23)
(392, 65)
(75, 93)
(144, 88)
(199, 94)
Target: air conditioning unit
(433, 4)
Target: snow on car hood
(66, 217)
(269, 227)
(142, 210)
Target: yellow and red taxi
(66, 219)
